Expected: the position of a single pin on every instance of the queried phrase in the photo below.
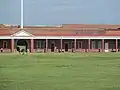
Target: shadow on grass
(112, 88)
(4, 82)
(65, 66)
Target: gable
(22, 33)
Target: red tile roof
(92, 26)
(66, 30)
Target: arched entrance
(22, 44)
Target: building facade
(63, 38)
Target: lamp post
(22, 11)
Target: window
(79, 43)
(99, 44)
(39, 44)
(112, 45)
(93, 45)
(72, 44)
(4, 44)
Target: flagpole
(22, 6)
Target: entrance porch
(61, 45)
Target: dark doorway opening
(52, 47)
(66, 47)
(22, 44)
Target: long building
(62, 38)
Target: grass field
(70, 71)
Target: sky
(54, 12)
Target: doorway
(66, 47)
(22, 44)
(52, 47)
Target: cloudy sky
(51, 12)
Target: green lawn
(69, 71)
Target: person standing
(18, 49)
(1, 49)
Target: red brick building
(67, 37)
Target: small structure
(65, 38)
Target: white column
(116, 45)
(12, 45)
(32, 45)
(61, 43)
(46, 44)
(103, 45)
(75, 44)
(89, 44)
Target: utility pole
(22, 13)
